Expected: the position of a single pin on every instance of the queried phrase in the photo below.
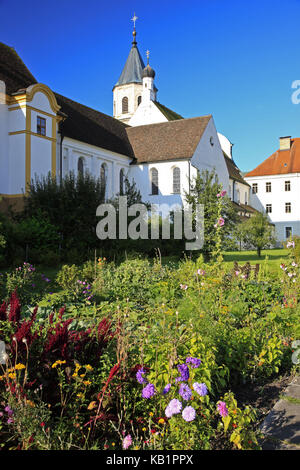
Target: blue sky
(235, 59)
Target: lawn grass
(269, 258)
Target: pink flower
(201, 272)
(220, 222)
(222, 408)
(183, 286)
(222, 194)
(127, 441)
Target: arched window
(125, 105)
(139, 100)
(176, 180)
(154, 181)
(103, 177)
(121, 182)
(80, 167)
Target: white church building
(42, 131)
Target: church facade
(42, 131)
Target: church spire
(134, 18)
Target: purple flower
(10, 421)
(222, 408)
(184, 373)
(8, 410)
(189, 413)
(194, 361)
(201, 389)
(185, 392)
(220, 222)
(127, 441)
(139, 376)
(166, 389)
(173, 408)
(148, 391)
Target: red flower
(42, 424)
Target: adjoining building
(275, 188)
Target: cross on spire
(147, 54)
(134, 18)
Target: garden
(140, 352)
(142, 355)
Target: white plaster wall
(94, 157)
(141, 175)
(210, 157)
(4, 167)
(147, 113)
(132, 91)
(41, 156)
(16, 156)
(226, 145)
(278, 197)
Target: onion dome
(148, 72)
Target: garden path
(281, 428)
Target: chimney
(285, 143)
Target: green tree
(257, 232)
(205, 189)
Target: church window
(254, 188)
(288, 207)
(121, 182)
(103, 177)
(268, 187)
(154, 181)
(268, 208)
(139, 100)
(125, 105)
(41, 126)
(80, 166)
(176, 180)
(287, 185)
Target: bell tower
(127, 92)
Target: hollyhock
(220, 222)
(222, 408)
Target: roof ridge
(171, 122)
(92, 109)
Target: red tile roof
(281, 162)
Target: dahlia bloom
(148, 391)
(173, 408)
(166, 389)
(201, 389)
(139, 376)
(189, 413)
(194, 361)
(185, 392)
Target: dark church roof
(93, 127)
(233, 170)
(133, 68)
(13, 71)
(173, 140)
(168, 113)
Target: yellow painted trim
(28, 151)
(24, 106)
(29, 95)
(31, 133)
(40, 87)
(11, 195)
(53, 150)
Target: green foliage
(257, 232)
(205, 189)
